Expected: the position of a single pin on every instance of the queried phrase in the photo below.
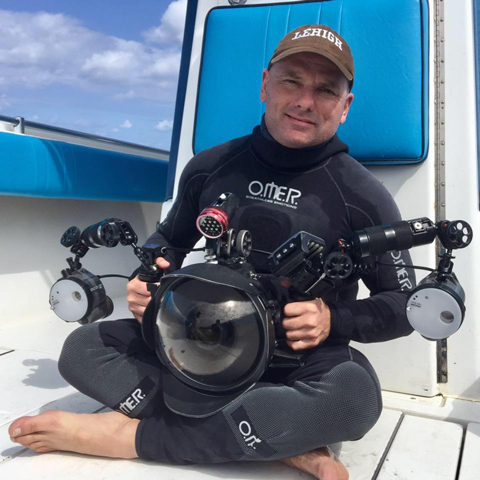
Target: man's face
(306, 99)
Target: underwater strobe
(79, 296)
(436, 307)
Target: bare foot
(320, 464)
(109, 434)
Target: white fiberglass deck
(401, 446)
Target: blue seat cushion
(388, 120)
(35, 167)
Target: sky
(106, 67)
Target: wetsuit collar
(275, 155)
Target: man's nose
(305, 99)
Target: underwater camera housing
(217, 326)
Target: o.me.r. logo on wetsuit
(273, 193)
(249, 434)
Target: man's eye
(326, 91)
(290, 81)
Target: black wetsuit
(336, 395)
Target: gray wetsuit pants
(334, 397)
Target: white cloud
(126, 124)
(4, 103)
(172, 24)
(164, 125)
(42, 49)
(124, 96)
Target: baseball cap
(319, 39)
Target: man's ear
(346, 108)
(263, 89)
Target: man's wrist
(333, 318)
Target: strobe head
(214, 220)
(436, 309)
(80, 297)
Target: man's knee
(76, 350)
(360, 401)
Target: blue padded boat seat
(35, 167)
(388, 121)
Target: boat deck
(406, 443)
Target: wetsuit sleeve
(178, 229)
(382, 316)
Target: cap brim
(327, 55)
(189, 402)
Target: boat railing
(22, 126)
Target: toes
(18, 427)
(27, 440)
(29, 425)
(40, 447)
